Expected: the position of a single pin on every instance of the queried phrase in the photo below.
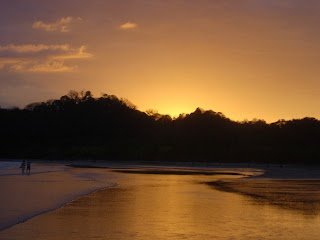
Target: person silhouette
(23, 166)
(28, 166)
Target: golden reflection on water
(167, 207)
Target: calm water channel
(147, 206)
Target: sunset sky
(245, 58)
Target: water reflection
(166, 207)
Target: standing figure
(23, 166)
(28, 166)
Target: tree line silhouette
(79, 126)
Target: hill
(79, 126)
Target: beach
(48, 187)
(122, 200)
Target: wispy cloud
(32, 48)
(61, 25)
(128, 25)
(41, 57)
(78, 54)
(52, 66)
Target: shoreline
(186, 164)
(27, 196)
(56, 207)
(53, 184)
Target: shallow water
(167, 207)
(5, 165)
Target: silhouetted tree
(80, 126)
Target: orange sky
(247, 59)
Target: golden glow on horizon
(174, 112)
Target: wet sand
(48, 187)
(167, 206)
(296, 188)
(26, 196)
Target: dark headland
(79, 126)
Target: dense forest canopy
(79, 126)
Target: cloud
(52, 66)
(62, 25)
(13, 50)
(128, 25)
(41, 57)
(78, 54)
